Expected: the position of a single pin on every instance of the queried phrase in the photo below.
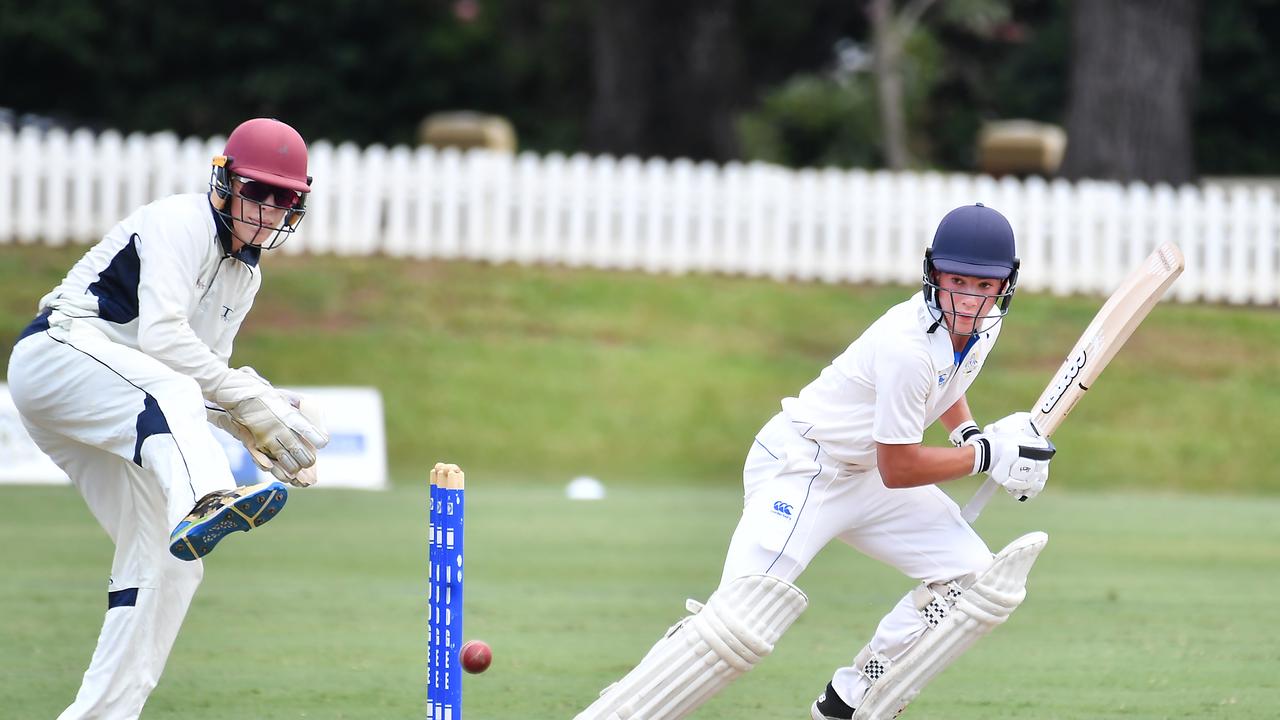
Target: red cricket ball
(476, 656)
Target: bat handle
(979, 500)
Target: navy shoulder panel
(117, 285)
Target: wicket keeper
(121, 372)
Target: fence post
(27, 185)
(801, 240)
(1239, 228)
(499, 196)
(81, 221)
(56, 172)
(829, 220)
(731, 230)
(1065, 271)
(139, 172)
(1214, 241)
(395, 240)
(527, 182)
(475, 235)
(1188, 233)
(549, 199)
(581, 211)
(677, 239)
(707, 205)
(1266, 249)
(655, 217)
(8, 170)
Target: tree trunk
(623, 79)
(667, 79)
(887, 64)
(1134, 69)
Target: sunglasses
(261, 192)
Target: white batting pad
(704, 652)
(986, 604)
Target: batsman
(123, 369)
(844, 460)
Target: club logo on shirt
(971, 364)
(782, 508)
(943, 376)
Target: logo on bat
(1067, 374)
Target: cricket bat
(1109, 331)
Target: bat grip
(979, 500)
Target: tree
(889, 32)
(666, 79)
(1237, 106)
(1134, 71)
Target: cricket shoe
(829, 706)
(222, 512)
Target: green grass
(545, 373)
(1153, 599)
(1142, 606)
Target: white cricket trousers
(131, 433)
(797, 499)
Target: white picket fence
(660, 216)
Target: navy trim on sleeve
(38, 325)
(117, 285)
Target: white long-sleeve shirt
(889, 385)
(163, 281)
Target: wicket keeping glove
(306, 477)
(278, 428)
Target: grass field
(1142, 606)
(1153, 599)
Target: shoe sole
(244, 514)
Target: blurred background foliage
(710, 79)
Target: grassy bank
(546, 373)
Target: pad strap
(975, 612)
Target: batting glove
(1018, 463)
(966, 433)
(1018, 423)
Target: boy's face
(257, 211)
(966, 299)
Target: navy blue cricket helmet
(972, 240)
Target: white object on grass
(585, 488)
